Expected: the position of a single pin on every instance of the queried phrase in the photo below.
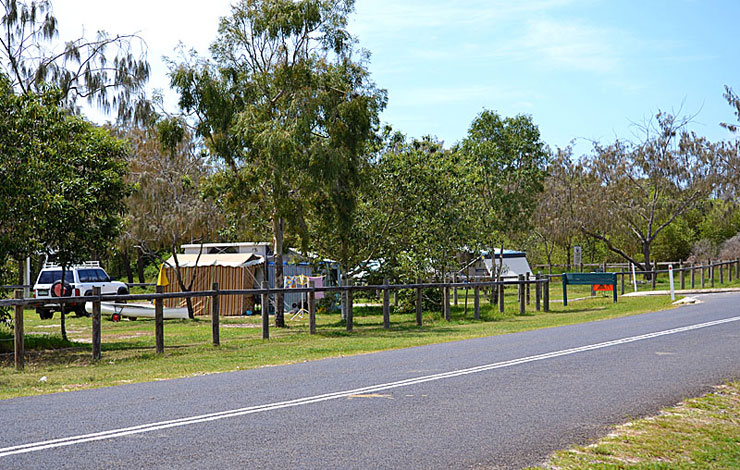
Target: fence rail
(523, 285)
(129, 284)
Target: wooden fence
(703, 275)
(523, 284)
(696, 273)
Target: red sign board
(603, 287)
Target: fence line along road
(523, 283)
(18, 304)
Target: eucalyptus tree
(508, 162)
(555, 222)
(166, 208)
(109, 71)
(287, 105)
(633, 191)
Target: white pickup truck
(79, 280)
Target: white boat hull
(137, 310)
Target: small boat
(133, 311)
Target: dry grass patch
(700, 433)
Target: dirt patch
(127, 336)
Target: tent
(231, 271)
(514, 263)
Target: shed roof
(231, 260)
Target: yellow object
(162, 278)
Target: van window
(92, 275)
(50, 277)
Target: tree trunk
(277, 232)
(126, 261)
(646, 254)
(140, 267)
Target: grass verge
(128, 346)
(700, 433)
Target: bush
(431, 300)
(702, 250)
(6, 317)
(730, 249)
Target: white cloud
(571, 45)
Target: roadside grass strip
(699, 433)
(116, 433)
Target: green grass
(128, 346)
(700, 433)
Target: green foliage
(62, 179)
(287, 109)
(413, 212)
(107, 71)
(507, 161)
(288, 106)
(632, 192)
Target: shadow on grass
(36, 342)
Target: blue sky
(583, 69)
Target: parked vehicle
(79, 280)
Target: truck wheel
(45, 313)
(122, 291)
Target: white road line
(115, 433)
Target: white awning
(230, 260)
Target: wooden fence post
(711, 274)
(655, 273)
(386, 305)
(419, 305)
(522, 295)
(683, 275)
(527, 276)
(729, 271)
(703, 275)
(311, 309)
(454, 289)
(737, 269)
(265, 301)
(622, 281)
(465, 313)
(350, 307)
(215, 312)
(500, 297)
(447, 302)
(96, 346)
(537, 292)
(159, 320)
(476, 302)
(546, 295)
(721, 272)
(693, 276)
(19, 345)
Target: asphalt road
(500, 402)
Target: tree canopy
(288, 106)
